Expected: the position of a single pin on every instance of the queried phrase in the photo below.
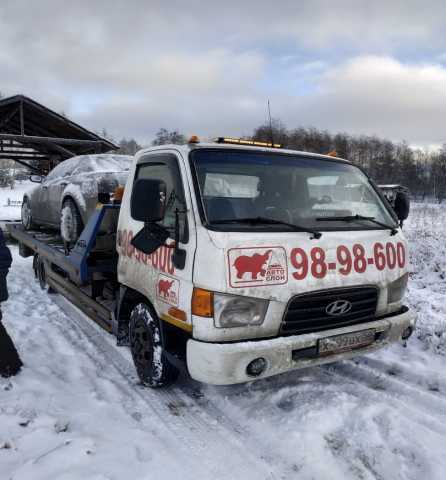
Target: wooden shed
(39, 138)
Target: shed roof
(31, 133)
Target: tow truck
(237, 260)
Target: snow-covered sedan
(66, 198)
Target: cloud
(208, 68)
(382, 96)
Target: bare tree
(129, 147)
(386, 161)
(275, 132)
(164, 136)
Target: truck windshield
(294, 189)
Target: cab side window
(165, 167)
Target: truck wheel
(27, 219)
(41, 273)
(154, 370)
(71, 225)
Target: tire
(71, 224)
(153, 368)
(26, 214)
(41, 273)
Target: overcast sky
(372, 67)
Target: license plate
(346, 342)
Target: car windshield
(308, 192)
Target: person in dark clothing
(10, 363)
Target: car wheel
(154, 370)
(27, 219)
(71, 224)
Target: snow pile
(15, 196)
(426, 232)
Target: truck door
(166, 285)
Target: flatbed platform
(83, 275)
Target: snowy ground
(11, 199)
(77, 411)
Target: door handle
(44, 187)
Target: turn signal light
(202, 303)
(194, 139)
(177, 313)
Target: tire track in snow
(207, 414)
(400, 373)
(66, 333)
(180, 410)
(186, 409)
(197, 442)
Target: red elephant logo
(257, 266)
(164, 287)
(253, 264)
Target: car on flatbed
(240, 260)
(67, 196)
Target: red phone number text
(348, 260)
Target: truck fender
(173, 340)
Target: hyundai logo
(339, 307)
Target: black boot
(10, 363)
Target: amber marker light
(251, 143)
(177, 313)
(118, 194)
(202, 303)
(194, 139)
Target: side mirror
(36, 178)
(148, 205)
(148, 202)
(401, 206)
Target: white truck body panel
(217, 272)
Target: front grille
(306, 313)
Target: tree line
(387, 162)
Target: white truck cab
(247, 261)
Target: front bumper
(225, 363)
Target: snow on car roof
(92, 163)
(103, 163)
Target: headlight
(234, 311)
(397, 288)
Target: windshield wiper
(352, 218)
(267, 221)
